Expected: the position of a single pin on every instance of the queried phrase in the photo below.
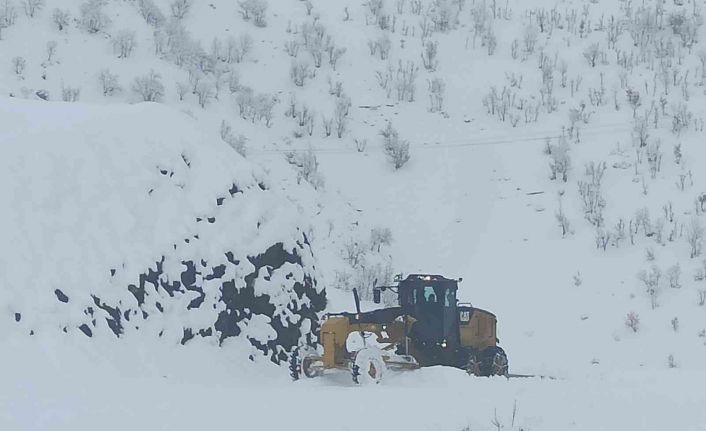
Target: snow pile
(129, 218)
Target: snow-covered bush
(109, 83)
(560, 160)
(437, 87)
(695, 236)
(563, 221)
(673, 275)
(93, 19)
(238, 143)
(593, 54)
(149, 87)
(237, 49)
(340, 116)
(255, 10)
(650, 282)
(124, 43)
(19, 64)
(299, 71)
(8, 15)
(353, 252)
(70, 94)
(32, 7)
(430, 55)
(632, 321)
(380, 236)
(182, 89)
(51, 51)
(205, 90)
(444, 14)
(179, 8)
(61, 18)
(307, 167)
(151, 13)
(396, 149)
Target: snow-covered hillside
(556, 163)
(131, 219)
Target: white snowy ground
(460, 207)
(68, 383)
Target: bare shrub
(430, 55)
(340, 116)
(307, 167)
(673, 275)
(19, 64)
(671, 362)
(182, 89)
(239, 48)
(299, 72)
(437, 88)
(32, 7)
(124, 43)
(93, 19)
(396, 149)
(632, 321)
(255, 10)
(151, 13)
(61, 18)
(592, 54)
(238, 143)
(51, 50)
(560, 160)
(650, 281)
(179, 8)
(109, 83)
(379, 237)
(70, 94)
(149, 87)
(353, 252)
(205, 91)
(695, 236)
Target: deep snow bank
(129, 218)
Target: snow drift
(129, 218)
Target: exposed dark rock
(61, 296)
(86, 330)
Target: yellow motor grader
(428, 327)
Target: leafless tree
(51, 51)
(429, 55)
(19, 64)
(255, 10)
(124, 43)
(32, 7)
(61, 18)
(149, 87)
(632, 321)
(695, 236)
(396, 149)
(109, 82)
(179, 8)
(93, 19)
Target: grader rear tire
(368, 366)
(473, 365)
(495, 362)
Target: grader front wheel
(306, 361)
(368, 366)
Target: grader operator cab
(428, 327)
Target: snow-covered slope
(130, 219)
